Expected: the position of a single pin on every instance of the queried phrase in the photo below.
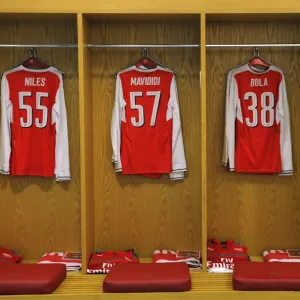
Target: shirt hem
(147, 171)
(258, 171)
(32, 174)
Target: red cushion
(266, 276)
(148, 277)
(21, 279)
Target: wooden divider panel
(86, 142)
(260, 211)
(203, 148)
(39, 214)
(133, 211)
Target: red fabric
(72, 260)
(258, 146)
(146, 149)
(103, 262)
(221, 257)
(286, 255)
(169, 256)
(148, 277)
(264, 276)
(22, 279)
(33, 145)
(8, 256)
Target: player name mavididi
(145, 81)
(35, 81)
(259, 82)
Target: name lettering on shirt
(145, 81)
(258, 82)
(35, 81)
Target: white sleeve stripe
(62, 160)
(4, 172)
(285, 132)
(178, 154)
(177, 178)
(117, 117)
(6, 119)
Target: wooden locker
(260, 211)
(134, 211)
(37, 214)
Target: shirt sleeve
(178, 155)
(117, 116)
(283, 117)
(225, 149)
(6, 119)
(59, 117)
(230, 117)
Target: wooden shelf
(204, 285)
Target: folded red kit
(102, 262)
(9, 256)
(286, 255)
(72, 260)
(190, 257)
(221, 256)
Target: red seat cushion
(148, 277)
(21, 279)
(266, 276)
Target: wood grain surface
(86, 142)
(260, 211)
(203, 142)
(133, 211)
(154, 6)
(39, 214)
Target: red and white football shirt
(146, 128)
(170, 256)
(10, 256)
(34, 133)
(286, 255)
(103, 261)
(257, 129)
(72, 260)
(221, 256)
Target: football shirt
(257, 122)
(146, 128)
(34, 133)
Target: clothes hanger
(34, 62)
(147, 62)
(256, 61)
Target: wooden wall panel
(261, 211)
(132, 211)
(203, 141)
(38, 214)
(86, 142)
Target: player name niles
(145, 81)
(259, 82)
(35, 81)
